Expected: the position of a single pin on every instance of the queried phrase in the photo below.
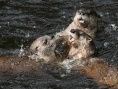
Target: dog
(85, 20)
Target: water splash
(113, 26)
(21, 51)
(27, 35)
(35, 57)
(67, 64)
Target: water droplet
(63, 75)
(8, 23)
(63, 12)
(112, 60)
(106, 44)
(113, 26)
(107, 13)
(27, 35)
(64, 17)
(81, 3)
(21, 53)
(34, 26)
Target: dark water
(22, 21)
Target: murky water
(22, 21)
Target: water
(22, 21)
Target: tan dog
(85, 20)
(50, 49)
(81, 45)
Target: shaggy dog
(85, 20)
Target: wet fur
(55, 50)
(15, 64)
(90, 26)
(82, 52)
(82, 46)
(42, 50)
(93, 67)
(100, 71)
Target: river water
(22, 21)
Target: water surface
(22, 21)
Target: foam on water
(67, 64)
(22, 51)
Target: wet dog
(85, 20)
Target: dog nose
(72, 30)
